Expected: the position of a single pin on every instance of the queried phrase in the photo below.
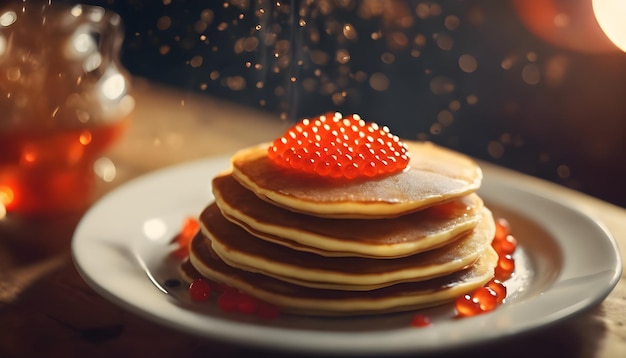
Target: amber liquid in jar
(51, 171)
(65, 98)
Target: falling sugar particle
(196, 61)
(444, 42)
(467, 63)
(442, 85)
(563, 171)
(452, 22)
(105, 169)
(495, 149)
(342, 56)
(388, 58)
(507, 63)
(287, 40)
(445, 118)
(379, 81)
(531, 74)
(164, 23)
(471, 99)
(435, 128)
(349, 32)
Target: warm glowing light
(570, 24)
(29, 156)
(113, 86)
(609, 14)
(6, 196)
(85, 137)
(154, 228)
(105, 169)
(8, 18)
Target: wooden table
(47, 310)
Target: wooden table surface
(47, 310)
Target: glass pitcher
(64, 98)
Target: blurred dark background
(530, 85)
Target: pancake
(434, 175)
(239, 249)
(383, 238)
(325, 302)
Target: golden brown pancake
(386, 238)
(434, 175)
(239, 249)
(325, 302)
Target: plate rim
(336, 342)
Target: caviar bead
(228, 301)
(503, 228)
(199, 289)
(339, 147)
(506, 245)
(247, 304)
(267, 310)
(497, 287)
(420, 320)
(505, 267)
(466, 306)
(486, 298)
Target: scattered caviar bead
(199, 290)
(486, 298)
(420, 320)
(339, 147)
(228, 301)
(494, 292)
(497, 287)
(188, 230)
(506, 245)
(267, 310)
(505, 267)
(220, 287)
(466, 306)
(481, 300)
(503, 228)
(247, 304)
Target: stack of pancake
(319, 246)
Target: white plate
(566, 262)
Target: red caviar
(199, 289)
(481, 300)
(227, 301)
(247, 304)
(188, 230)
(230, 299)
(420, 320)
(506, 245)
(335, 146)
(466, 306)
(503, 228)
(505, 267)
(488, 297)
(268, 310)
(497, 287)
